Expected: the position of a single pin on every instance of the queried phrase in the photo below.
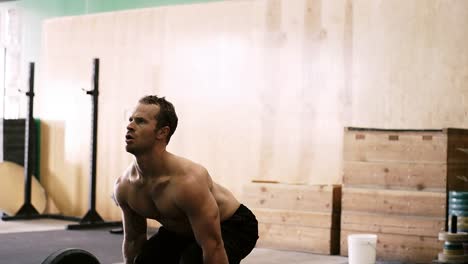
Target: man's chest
(155, 202)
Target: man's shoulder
(187, 188)
(128, 172)
(193, 177)
(121, 187)
(191, 167)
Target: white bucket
(361, 248)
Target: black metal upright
(95, 96)
(27, 210)
(92, 219)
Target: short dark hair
(166, 116)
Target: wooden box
(395, 185)
(406, 159)
(401, 248)
(296, 217)
(407, 223)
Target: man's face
(141, 131)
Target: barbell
(71, 256)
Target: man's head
(166, 117)
(153, 120)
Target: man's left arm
(198, 203)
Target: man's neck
(152, 164)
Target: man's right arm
(134, 227)
(134, 234)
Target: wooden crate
(395, 185)
(406, 222)
(409, 159)
(408, 249)
(296, 217)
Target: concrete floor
(271, 256)
(258, 255)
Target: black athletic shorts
(239, 232)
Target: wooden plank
(392, 224)
(405, 248)
(288, 237)
(395, 146)
(294, 218)
(264, 181)
(317, 198)
(416, 203)
(415, 176)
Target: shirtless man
(202, 222)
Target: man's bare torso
(153, 197)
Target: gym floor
(13, 232)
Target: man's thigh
(240, 234)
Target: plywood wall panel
(409, 64)
(262, 88)
(234, 70)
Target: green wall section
(78, 7)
